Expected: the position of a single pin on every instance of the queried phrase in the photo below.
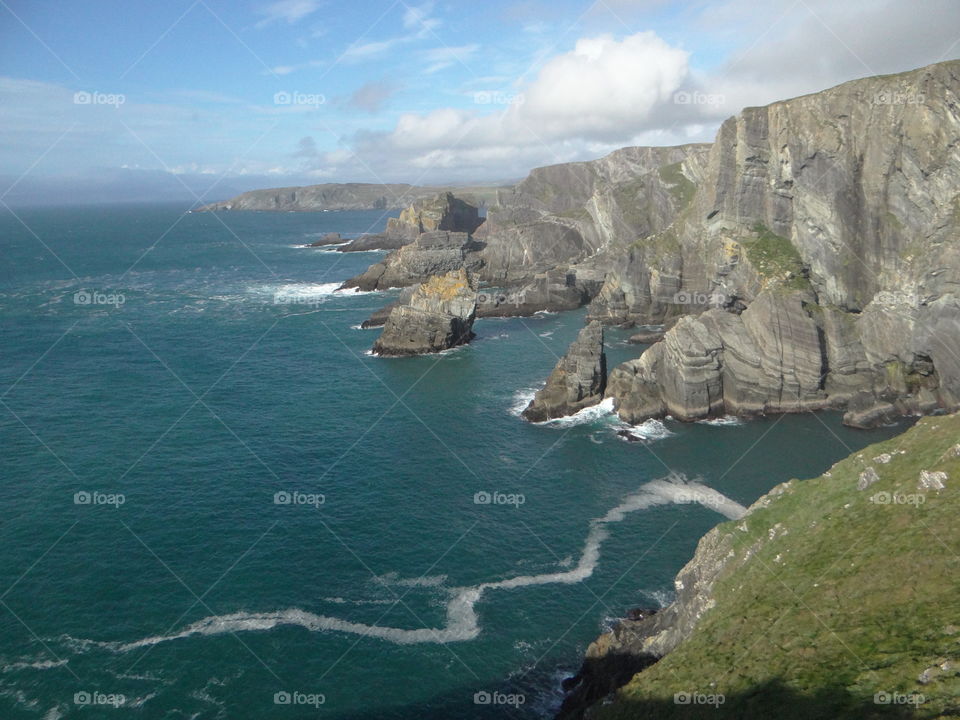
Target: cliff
(810, 258)
(835, 597)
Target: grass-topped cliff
(833, 601)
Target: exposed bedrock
(432, 253)
(438, 316)
(578, 380)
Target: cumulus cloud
(604, 90)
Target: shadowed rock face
(578, 380)
(438, 316)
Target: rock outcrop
(437, 212)
(438, 316)
(331, 238)
(432, 253)
(578, 380)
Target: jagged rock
(766, 359)
(442, 212)
(438, 316)
(867, 478)
(647, 336)
(578, 380)
(932, 480)
(379, 317)
(432, 253)
(331, 238)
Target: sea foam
(462, 622)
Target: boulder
(439, 316)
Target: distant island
(348, 196)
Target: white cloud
(289, 11)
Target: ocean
(216, 504)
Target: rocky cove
(808, 259)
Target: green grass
(850, 598)
(681, 187)
(775, 259)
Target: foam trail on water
(461, 618)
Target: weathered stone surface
(578, 380)
(432, 253)
(438, 316)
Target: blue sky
(272, 92)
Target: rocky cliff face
(438, 315)
(432, 253)
(816, 263)
(578, 380)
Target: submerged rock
(438, 316)
(331, 238)
(578, 380)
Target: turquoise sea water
(231, 372)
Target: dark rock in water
(578, 380)
(646, 336)
(439, 316)
(629, 436)
(432, 253)
(332, 238)
(374, 241)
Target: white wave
(462, 623)
(726, 420)
(647, 431)
(585, 416)
(39, 665)
(358, 291)
(522, 398)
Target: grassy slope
(849, 598)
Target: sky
(133, 99)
